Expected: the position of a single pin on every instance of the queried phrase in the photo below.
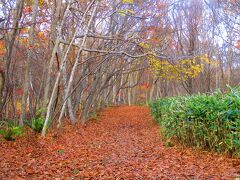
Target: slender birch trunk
(28, 64)
(11, 37)
(51, 101)
(129, 90)
(70, 82)
(56, 26)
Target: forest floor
(123, 143)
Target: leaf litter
(123, 143)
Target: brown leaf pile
(124, 143)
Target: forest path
(124, 143)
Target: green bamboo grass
(211, 122)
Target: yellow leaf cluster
(181, 70)
(127, 1)
(125, 12)
(31, 2)
(144, 45)
(2, 48)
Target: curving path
(124, 143)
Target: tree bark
(28, 63)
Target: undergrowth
(10, 129)
(210, 122)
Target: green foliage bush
(10, 129)
(207, 121)
(37, 122)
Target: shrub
(206, 121)
(10, 129)
(37, 122)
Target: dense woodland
(119, 89)
(69, 59)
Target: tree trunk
(76, 60)
(28, 64)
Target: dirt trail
(124, 143)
